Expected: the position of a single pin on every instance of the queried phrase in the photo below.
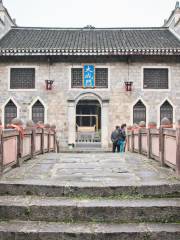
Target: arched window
(10, 112)
(166, 110)
(139, 112)
(38, 112)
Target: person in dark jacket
(115, 135)
(122, 138)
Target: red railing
(162, 144)
(15, 149)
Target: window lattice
(22, 78)
(101, 76)
(76, 77)
(10, 112)
(166, 110)
(156, 78)
(139, 112)
(38, 112)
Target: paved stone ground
(91, 169)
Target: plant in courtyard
(165, 122)
(142, 124)
(152, 124)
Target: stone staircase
(36, 212)
(85, 148)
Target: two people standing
(118, 138)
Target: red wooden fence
(162, 144)
(14, 149)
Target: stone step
(85, 150)
(41, 188)
(89, 210)
(56, 231)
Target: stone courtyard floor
(90, 196)
(91, 169)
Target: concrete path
(91, 169)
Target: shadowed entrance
(88, 121)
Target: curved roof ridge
(90, 29)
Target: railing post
(57, 145)
(132, 141)
(1, 152)
(161, 146)
(165, 123)
(54, 141)
(42, 141)
(49, 139)
(128, 148)
(178, 149)
(139, 141)
(19, 149)
(33, 142)
(149, 143)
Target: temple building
(88, 80)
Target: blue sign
(89, 79)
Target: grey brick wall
(121, 102)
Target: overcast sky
(99, 13)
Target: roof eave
(87, 52)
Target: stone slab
(97, 169)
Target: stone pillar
(105, 124)
(1, 152)
(71, 123)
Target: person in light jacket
(122, 138)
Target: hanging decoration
(128, 86)
(49, 82)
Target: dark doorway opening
(88, 121)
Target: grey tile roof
(24, 41)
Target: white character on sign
(88, 83)
(88, 69)
(88, 76)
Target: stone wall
(5, 20)
(120, 101)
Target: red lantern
(128, 86)
(49, 84)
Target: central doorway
(88, 121)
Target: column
(71, 123)
(105, 124)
